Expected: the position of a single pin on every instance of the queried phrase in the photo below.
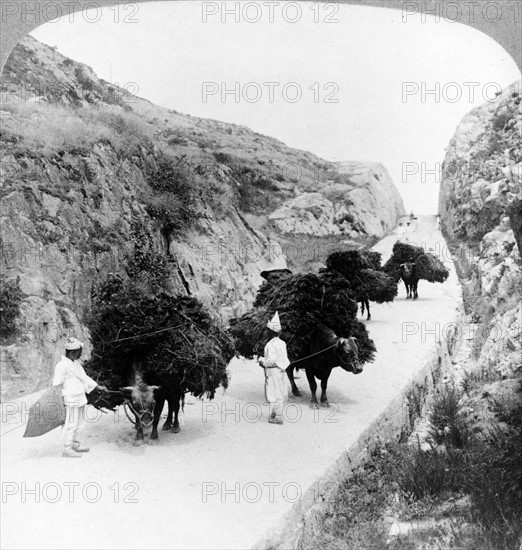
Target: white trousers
(276, 390)
(74, 424)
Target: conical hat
(274, 324)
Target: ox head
(141, 401)
(348, 354)
(406, 269)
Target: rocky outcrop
(482, 171)
(377, 204)
(362, 201)
(479, 204)
(498, 307)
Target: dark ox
(408, 273)
(327, 351)
(146, 402)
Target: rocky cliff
(480, 206)
(88, 169)
(361, 201)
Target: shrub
(496, 483)
(446, 424)
(172, 202)
(148, 267)
(254, 188)
(222, 158)
(429, 473)
(10, 300)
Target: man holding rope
(70, 372)
(275, 362)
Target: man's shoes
(79, 449)
(275, 420)
(71, 453)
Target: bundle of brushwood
(377, 286)
(171, 336)
(427, 265)
(349, 263)
(363, 270)
(304, 302)
(105, 399)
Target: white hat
(72, 344)
(274, 324)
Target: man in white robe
(76, 384)
(275, 362)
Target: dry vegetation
(455, 490)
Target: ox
(146, 402)
(326, 352)
(408, 273)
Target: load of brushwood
(427, 265)
(172, 337)
(363, 270)
(305, 303)
(350, 262)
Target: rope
(314, 354)
(146, 334)
(138, 416)
(13, 429)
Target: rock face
(362, 201)
(482, 171)
(480, 206)
(377, 204)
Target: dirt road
(229, 477)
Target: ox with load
(319, 325)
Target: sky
(343, 82)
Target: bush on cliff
(254, 188)
(10, 300)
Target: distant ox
(408, 273)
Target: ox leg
(414, 286)
(313, 387)
(362, 307)
(324, 399)
(407, 290)
(368, 318)
(139, 436)
(158, 409)
(176, 398)
(168, 422)
(290, 374)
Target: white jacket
(275, 354)
(75, 381)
